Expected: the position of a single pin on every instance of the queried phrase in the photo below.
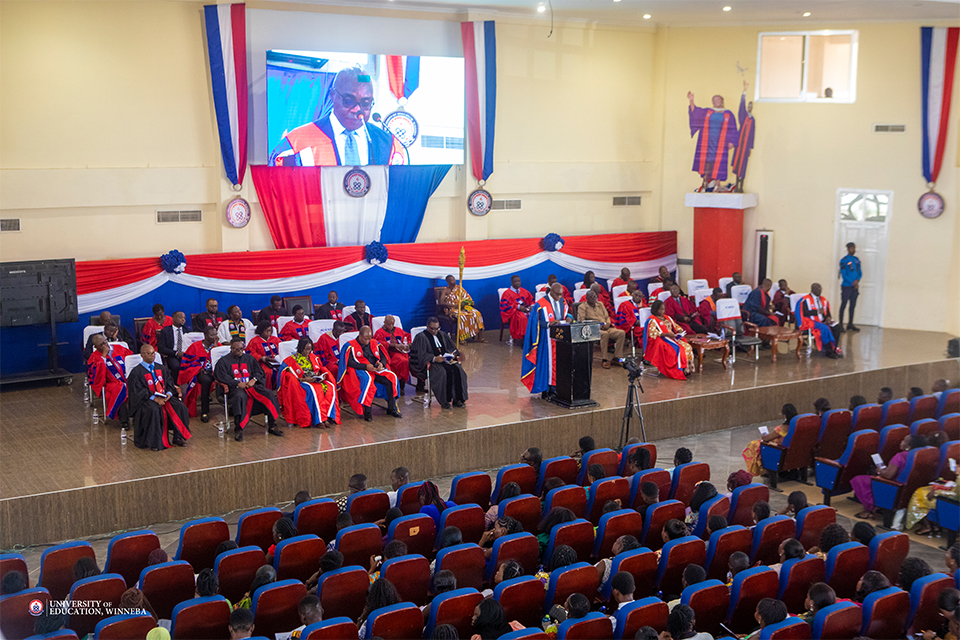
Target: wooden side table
(774, 335)
(701, 343)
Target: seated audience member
(623, 278)
(819, 596)
(647, 632)
(397, 342)
(815, 315)
(863, 532)
(781, 301)
(551, 279)
(106, 318)
(769, 612)
(637, 460)
(247, 392)
(911, 570)
(356, 484)
(884, 395)
(507, 491)
(85, 568)
(444, 581)
(301, 497)
(48, 622)
(272, 312)
(283, 529)
(171, 344)
(515, 304)
(628, 316)
(663, 274)
(209, 318)
(708, 310)
(359, 318)
(448, 380)
(431, 503)
(112, 333)
(460, 307)
(603, 297)
(592, 310)
(789, 549)
(939, 386)
(489, 621)
(449, 537)
(821, 406)
(556, 515)
(751, 455)
(738, 562)
(796, 502)
(663, 346)
(157, 556)
(398, 477)
(241, 624)
(863, 485)
(737, 280)
(235, 326)
(384, 523)
(507, 571)
(759, 306)
(856, 401)
(563, 556)
(154, 406)
(382, 593)
(665, 285)
(329, 561)
(13, 582)
(948, 602)
(871, 582)
(153, 326)
(332, 309)
(692, 574)
(622, 587)
(681, 624)
(683, 312)
(952, 559)
(621, 544)
(328, 348)
(532, 457)
(715, 523)
(196, 374)
(585, 445)
(761, 511)
(914, 392)
(704, 492)
(673, 530)
(504, 526)
(308, 391)
(365, 365)
(297, 328)
(393, 549)
(265, 347)
(108, 375)
(208, 584)
(832, 535)
(681, 456)
(923, 502)
(310, 612)
(738, 479)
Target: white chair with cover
(724, 282)
(281, 322)
(740, 292)
(541, 286)
(377, 322)
(619, 290)
(700, 295)
(191, 337)
(286, 349)
(319, 327)
(350, 308)
(653, 286)
(579, 285)
(89, 331)
(579, 295)
(663, 295)
(696, 285)
(539, 294)
(347, 336)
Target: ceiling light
(616, 0)
(726, 8)
(646, 16)
(541, 9)
(806, 14)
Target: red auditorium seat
(469, 518)
(298, 557)
(593, 626)
(709, 601)
(410, 575)
(834, 432)
(456, 609)
(604, 490)
(275, 605)
(895, 412)
(867, 416)
(612, 526)
(925, 612)
(468, 563)
(674, 558)
(722, 545)
(106, 587)
(686, 477)
(201, 619)
(525, 509)
(577, 578)
(471, 488)
(950, 424)
(659, 477)
(343, 592)
(562, 467)
(16, 621)
(767, 536)
(749, 588)
(407, 498)
(647, 612)
(332, 629)
(789, 629)
(16, 562)
(642, 565)
(891, 437)
(887, 552)
(796, 451)
(168, 584)
(358, 543)
(523, 474)
(569, 497)
(398, 622)
(522, 547)
(235, 570)
(56, 567)
(256, 527)
(742, 501)
(923, 407)
(199, 540)
(796, 576)
(521, 599)
(417, 531)
(128, 553)
(811, 522)
(657, 516)
(577, 534)
(627, 450)
(887, 616)
(125, 627)
(368, 506)
(840, 621)
(606, 458)
(846, 563)
(318, 517)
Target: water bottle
(86, 392)
(123, 436)
(221, 428)
(96, 417)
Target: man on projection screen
(344, 136)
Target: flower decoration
(173, 262)
(375, 253)
(552, 242)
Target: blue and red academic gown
(759, 306)
(294, 330)
(509, 314)
(538, 370)
(748, 127)
(260, 348)
(142, 391)
(109, 375)
(664, 353)
(311, 145)
(306, 403)
(196, 358)
(567, 297)
(627, 316)
(717, 129)
(812, 311)
(358, 385)
(152, 328)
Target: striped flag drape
(938, 47)
(480, 60)
(227, 47)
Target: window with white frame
(807, 66)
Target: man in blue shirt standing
(850, 274)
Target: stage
(63, 477)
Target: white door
(863, 217)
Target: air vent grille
(440, 142)
(889, 128)
(189, 215)
(501, 205)
(9, 225)
(626, 201)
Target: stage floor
(49, 443)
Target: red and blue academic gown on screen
(538, 370)
(510, 315)
(107, 374)
(306, 403)
(628, 316)
(196, 359)
(294, 330)
(312, 145)
(813, 311)
(260, 348)
(717, 130)
(152, 328)
(358, 385)
(748, 127)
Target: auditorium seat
(796, 576)
(579, 577)
(106, 587)
(950, 424)
(358, 542)
(845, 565)
(709, 600)
(891, 438)
(396, 622)
(332, 629)
(521, 599)
(525, 509)
(840, 621)
(647, 612)
(719, 506)
(887, 552)
(577, 534)
(199, 540)
(454, 608)
(789, 629)
(948, 450)
(410, 574)
(923, 407)
(128, 554)
(606, 458)
(722, 545)
(833, 476)
(167, 584)
(563, 467)
(658, 515)
(885, 613)
(919, 470)
(235, 570)
(368, 506)
(795, 453)
(627, 450)
(767, 536)
(274, 607)
(16, 562)
(593, 626)
(895, 411)
(417, 531)
(834, 432)
(749, 588)
(685, 478)
(642, 565)
(471, 488)
(615, 488)
(62, 634)
(408, 500)
(56, 567)
(571, 497)
(469, 518)
(298, 557)
(674, 558)
(125, 627)
(343, 592)
(926, 427)
(949, 402)
(467, 562)
(660, 477)
(16, 621)
(256, 527)
(612, 526)
(201, 618)
(319, 517)
(742, 500)
(811, 522)
(867, 416)
(523, 474)
(924, 609)
(532, 634)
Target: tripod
(632, 406)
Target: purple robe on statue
(748, 127)
(718, 130)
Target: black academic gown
(448, 381)
(206, 319)
(152, 421)
(122, 336)
(328, 311)
(244, 403)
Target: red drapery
(292, 203)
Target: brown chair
(923, 407)
(642, 565)
(612, 526)
(289, 302)
(298, 557)
(525, 509)
(358, 542)
(811, 522)
(199, 540)
(125, 627)
(887, 552)
(469, 518)
(168, 584)
(674, 558)
(656, 517)
(522, 547)
(106, 587)
(318, 517)
(564, 582)
(648, 612)
(924, 608)
(767, 536)
(330, 629)
(685, 479)
(925, 427)
(235, 570)
(885, 613)
(471, 488)
(833, 476)
(56, 567)
(846, 564)
(796, 576)
(563, 467)
(749, 588)
(468, 563)
(417, 531)
(722, 545)
(742, 501)
(919, 470)
(839, 621)
(16, 619)
(593, 626)
(521, 599)
(659, 477)
(606, 458)
(454, 608)
(344, 592)
(602, 491)
(796, 452)
(138, 325)
(450, 324)
(523, 474)
(396, 622)
(709, 600)
(201, 619)
(368, 506)
(95, 320)
(128, 554)
(834, 433)
(410, 574)
(256, 527)
(895, 412)
(577, 534)
(570, 497)
(950, 424)
(891, 437)
(867, 416)
(275, 606)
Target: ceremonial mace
(463, 262)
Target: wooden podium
(574, 361)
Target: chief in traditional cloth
(359, 317)
(623, 278)
(153, 326)
(328, 348)
(155, 406)
(364, 364)
(331, 309)
(209, 318)
(683, 311)
(196, 374)
(448, 380)
(515, 304)
(717, 133)
(273, 312)
(108, 375)
(748, 128)
(235, 326)
(814, 313)
(759, 306)
(663, 346)
(459, 305)
(538, 369)
(708, 309)
(551, 279)
(781, 300)
(265, 347)
(308, 391)
(247, 392)
(397, 342)
(628, 316)
(297, 328)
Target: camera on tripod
(634, 368)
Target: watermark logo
(36, 607)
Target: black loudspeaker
(953, 348)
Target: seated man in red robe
(665, 285)
(567, 296)
(108, 375)
(308, 391)
(153, 326)
(328, 347)
(296, 328)
(265, 347)
(781, 301)
(514, 306)
(623, 279)
(708, 310)
(359, 317)
(814, 312)
(196, 374)
(397, 342)
(363, 365)
(628, 316)
(683, 312)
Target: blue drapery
(410, 189)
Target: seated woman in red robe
(397, 342)
(265, 347)
(308, 391)
(671, 355)
(296, 328)
(628, 316)
(154, 324)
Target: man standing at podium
(538, 370)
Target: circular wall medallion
(930, 204)
(356, 183)
(404, 126)
(479, 202)
(238, 212)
